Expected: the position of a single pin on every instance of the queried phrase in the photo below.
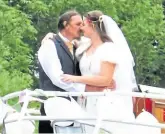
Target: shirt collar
(63, 38)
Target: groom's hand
(112, 86)
(94, 88)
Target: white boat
(23, 122)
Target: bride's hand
(47, 37)
(69, 78)
(76, 43)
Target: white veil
(116, 35)
(114, 32)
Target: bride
(107, 58)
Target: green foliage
(11, 82)
(142, 23)
(23, 23)
(15, 53)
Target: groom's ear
(64, 23)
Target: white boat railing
(150, 93)
(29, 95)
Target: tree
(15, 53)
(142, 23)
(23, 23)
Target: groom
(56, 57)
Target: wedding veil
(116, 35)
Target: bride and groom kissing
(99, 61)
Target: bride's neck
(96, 41)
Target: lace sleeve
(110, 52)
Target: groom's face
(73, 28)
(87, 28)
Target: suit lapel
(63, 45)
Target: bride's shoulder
(108, 45)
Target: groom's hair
(65, 18)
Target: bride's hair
(95, 18)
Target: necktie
(70, 47)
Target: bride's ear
(93, 25)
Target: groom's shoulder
(58, 40)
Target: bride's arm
(105, 78)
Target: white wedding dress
(115, 107)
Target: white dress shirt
(63, 38)
(51, 65)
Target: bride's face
(87, 28)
